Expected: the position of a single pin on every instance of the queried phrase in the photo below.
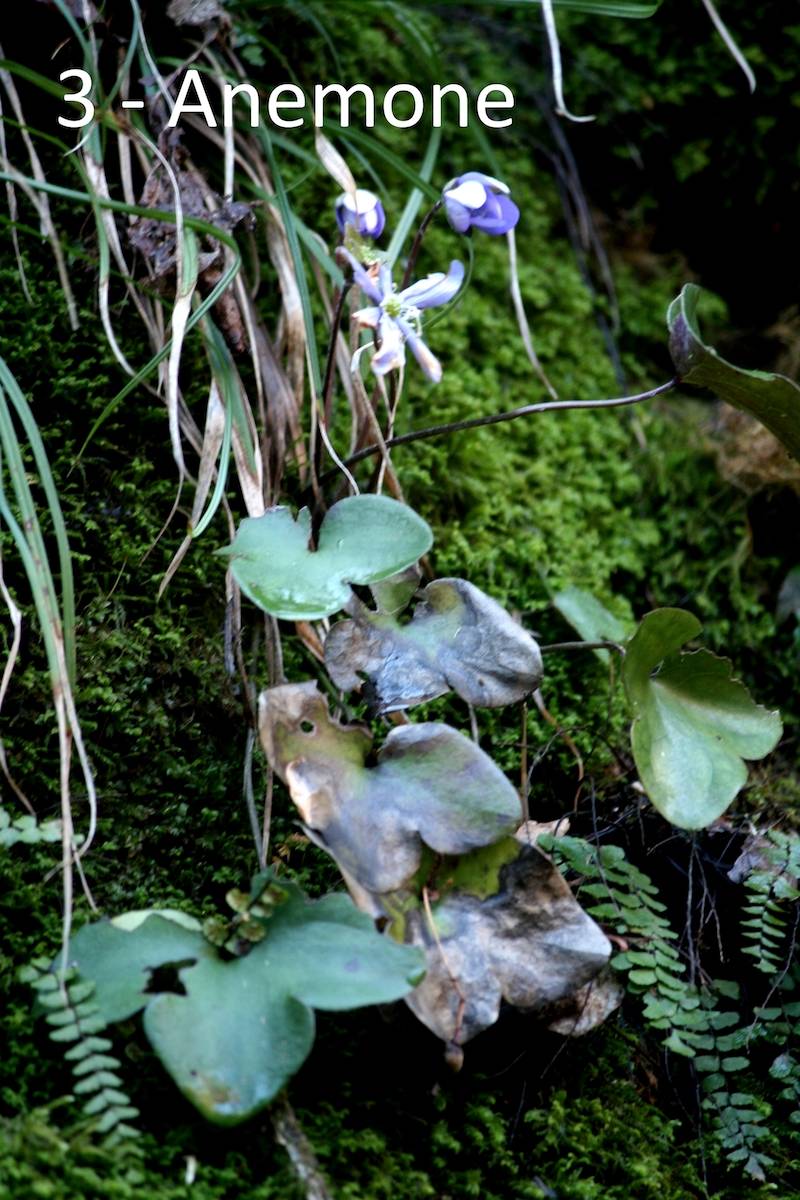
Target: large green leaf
(362, 539)
(243, 1028)
(239, 1029)
(431, 786)
(693, 722)
(774, 400)
(459, 639)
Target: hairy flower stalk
(395, 316)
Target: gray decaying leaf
(459, 639)
(589, 1007)
(531, 944)
(197, 12)
(431, 786)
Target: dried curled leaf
(773, 399)
(529, 943)
(459, 639)
(431, 786)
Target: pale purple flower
(477, 201)
(363, 211)
(396, 315)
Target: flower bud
(363, 211)
(477, 201)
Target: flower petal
(369, 318)
(457, 215)
(428, 361)
(391, 353)
(489, 182)
(363, 211)
(498, 216)
(365, 281)
(436, 289)
(472, 194)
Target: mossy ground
(627, 504)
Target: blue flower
(395, 315)
(477, 201)
(363, 211)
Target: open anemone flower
(396, 315)
(477, 201)
(363, 210)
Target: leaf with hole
(237, 1030)
(120, 955)
(361, 539)
(458, 639)
(772, 399)
(431, 786)
(693, 722)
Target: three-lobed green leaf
(693, 723)
(232, 1033)
(361, 539)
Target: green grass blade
(9, 383)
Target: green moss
(625, 503)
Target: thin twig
(419, 435)
(583, 646)
(290, 1134)
(454, 1054)
(522, 320)
(330, 364)
(727, 38)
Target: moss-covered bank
(627, 505)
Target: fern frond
(73, 1017)
(27, 829)
(626, 899)
(773, 892)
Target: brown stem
(289, 1133)
(330, 365)
(418, 435)
(416, 244)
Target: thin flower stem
(583, 646)
(419, 435)
(416, 244)
(330, 364)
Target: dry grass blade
(15, 616)
(39, 200)
(333, 163)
